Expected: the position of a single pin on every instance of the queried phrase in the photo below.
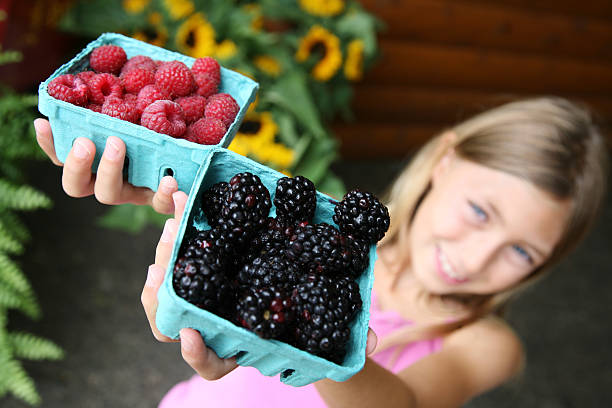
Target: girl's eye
(519, 250)
(480, 213)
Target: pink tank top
(246, 386)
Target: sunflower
(255, 11)
(267, 64)
(155, 18)
(255, 138)
(353, 67)
(196, 37)
(179, 8)
(226, 49)
(135, 6)
(156, 35)
(323, 8)
(318, 39)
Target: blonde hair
(549, 141)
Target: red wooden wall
(443, 60)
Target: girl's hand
(202, 359)
(107, 184)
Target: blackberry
(361, 214)
(319, 248)
(212, 202)
(360, 255)
(246, 207)
(323, 309)
(295, 200)
(267, 311)
(203, 285)
(272, 239)
(269, 270)
(216, 241)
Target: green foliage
(17, 145)
(240, 34)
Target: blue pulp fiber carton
(296, 367)
(150, 155)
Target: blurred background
(348, 91)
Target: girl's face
(480, 231)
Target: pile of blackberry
(282, 277)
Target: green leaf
(93, 17)
(131, 218)
(333, 186)
(14, 226)
(8, 243)
(30, 347)
(11, 275)
(361, 25)
(291, 93)
(22, 197)
(10, 299)
(315, 162)
(20, 384)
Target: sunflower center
(150, 33)
(250, 127)
(191, 39)
(318, 48)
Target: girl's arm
(473, 359)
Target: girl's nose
(478, 253)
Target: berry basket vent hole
(168, 171)
(287, 373)
(126, 165)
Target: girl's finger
(164, 246)
(44, 137)
(202, 359)
(371, 342)
(77, 178)
(109, 179)
(162, 201)
(155, 277)
(180, 200)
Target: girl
(484, 210)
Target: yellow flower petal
(323, 8)
(179, 8)
(135, 6)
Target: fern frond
(28, 346)
(12, 275)
(10, 299)
(22, 197)
(20, 384)
(8, 243)
(15, 226)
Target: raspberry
(361, 214)
(193, 107)
(139, 62)
(165, 117)
(148, 95)
(136, 79)
(68, 88)
(95, 107)
(206, 131)
(208, 66)
(102, 86)
(121, 109)
(205, 85)
(86, 76)
(175, 78)
(107, 58)
(223, 107)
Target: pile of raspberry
(282, 277)
(165, 96)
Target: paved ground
(88, 280)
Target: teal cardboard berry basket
(150, 155)
(271, 357)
